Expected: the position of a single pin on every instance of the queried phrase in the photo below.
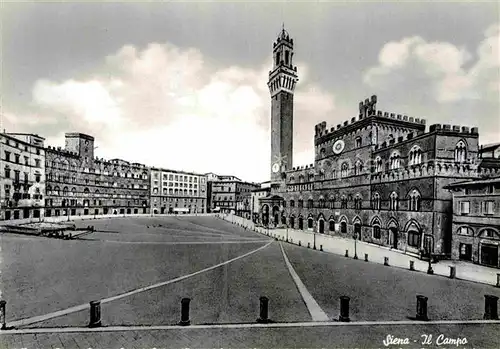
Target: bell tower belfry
(282, 80)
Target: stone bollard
(422, 308)
(344, 309)
(498, 280)
(386, 260)
(300, 244)
(2, 314)
(412, 265)
(490, 307)
(346, 253)
(366, 257)
(321, 247)
(453, 272)
(95, 314)
(308, 245)
(185, 312)
(264, 311)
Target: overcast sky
(183, 85)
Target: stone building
(178, 192)
(22, 176)
(476, 221)
(80, 184)
(378, 177)
(257, 194)
(232, 196)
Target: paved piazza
(140, 268)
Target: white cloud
(440, 69)
(168, 107)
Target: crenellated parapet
(62, 152)
(367, 109)
(454, 129)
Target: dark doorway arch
(283, 220)
(301, 223)
(310, 223)
(331, 224)
(321, 226)
(357, 230)
(265, 215)
(292, 222)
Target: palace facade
(22, 176)
(178, 192)
(80, 184)
(379, 177)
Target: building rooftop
(473, 183)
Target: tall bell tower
(282, 80)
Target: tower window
(278, 58)
(287, 56)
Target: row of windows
(172, 184)
(87, 203)
(486, 208)
(414, 202)
(17, 159)
(182, 178)
(97, 182)
(74, 167)
(18, 145)
(177, 191)
(17, 175)
(487, 232)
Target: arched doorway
(321, 226)
(301, 223)
(292, 222)
(265, 215)
(310, 223)
(283, 220)
(393, 234)
(331, 225)
(276, 211)
(415, 236)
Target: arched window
(378, 164)
(73, 191)
(357, 202)
(321, 203)
(332, 202)
(394, 161)
(414, 200)
(465, 231)
(415, 156)
(343, 202)
(301, 203)
(310, 223)
(460, 152)
(376, 234)
(86, 191)
(291, 179)
(292, 203)
(344, 170)
(48, 190)
(389, 138)
(376, 201)
(310, 203)
(301, 178)
(358, 168)
(311, 177)
(358, 142)
(65, 191)
(394, 201)
(334, 173)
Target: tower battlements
(367, 110)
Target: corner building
(378, 177)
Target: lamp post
(355, 245)
(429, 247)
